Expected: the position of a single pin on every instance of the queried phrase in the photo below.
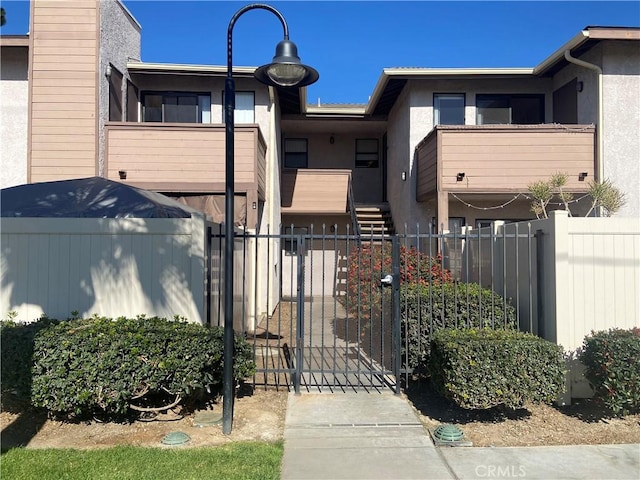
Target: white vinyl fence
(571, 277)
(110, 267)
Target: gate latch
(387, 280)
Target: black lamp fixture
(286, 71)
(460, 177)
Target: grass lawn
(241, 460)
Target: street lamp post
(285, 70)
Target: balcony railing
(184, 157)
(503, 158)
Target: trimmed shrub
(479, 369)
(366, 265)
(612, 361)
(428, 308)
(102, 367)
(16, 359)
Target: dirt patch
(258, 415)
(582, 423)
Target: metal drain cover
(448, 433)
(176, 438)
(207, 418)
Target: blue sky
(350, 42)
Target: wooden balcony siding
(503, 158)
(320, 191)
(185, 158)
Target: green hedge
(101, 366)
(428, 308)
(16, 360)
(479, 369)
(612, 361)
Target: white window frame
(437, 97)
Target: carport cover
(93, 197)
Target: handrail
(352, 209)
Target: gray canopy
(93, 197)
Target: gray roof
(93, 197)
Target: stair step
(374, 219)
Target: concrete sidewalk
(378, 436)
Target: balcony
(315, 191)
(503, 158)
(184, 157)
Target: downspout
(600, 131)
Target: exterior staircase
(374, 219)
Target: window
(295, 153)
(484, 223)
(170, 107)
(245, 108)
(448, 109)
(510, 109)
(115, 94)
(456, 224)
(367, 153)
(290, 241)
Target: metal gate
(323, 311)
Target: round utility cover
(176, 438)
(448, 433)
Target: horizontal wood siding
(315, 191)
(427, 173)
(63, 93)
(184, 158)
(504, 158)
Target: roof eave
(558, 55)
(176, 68)
(408, 73)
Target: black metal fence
(336, 312)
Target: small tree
(607, 196)
(603, 195)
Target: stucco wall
(119, 42)
(621, 86)
(620, 62)
(14, 93)
(325, 260)
(400, 194)
(588, 97)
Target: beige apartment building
(440, 147)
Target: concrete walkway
(372, 436)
